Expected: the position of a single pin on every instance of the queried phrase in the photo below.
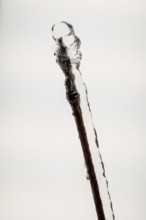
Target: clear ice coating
(68, 57)
(64, 35)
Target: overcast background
(42, 173)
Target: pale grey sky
(42, 174)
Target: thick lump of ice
(67, 43)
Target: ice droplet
(87, 176)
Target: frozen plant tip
(68, 56)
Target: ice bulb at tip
(67, 44)
(61, 29)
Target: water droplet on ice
(87, 176)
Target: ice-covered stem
(68, 57)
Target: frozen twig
(68, 57)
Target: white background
(42, 173)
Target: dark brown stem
(74, 100)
